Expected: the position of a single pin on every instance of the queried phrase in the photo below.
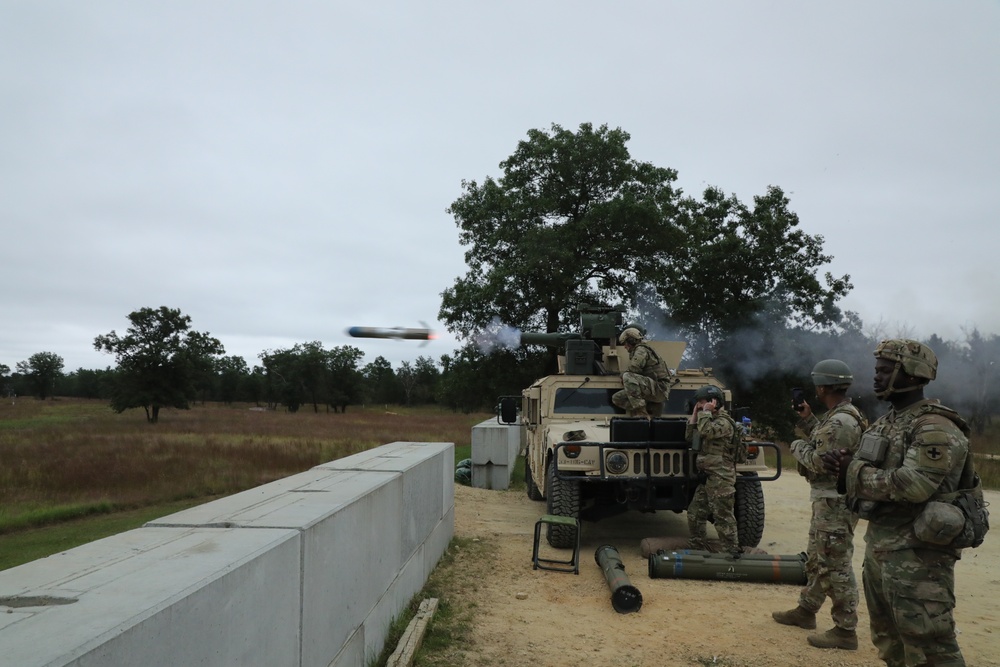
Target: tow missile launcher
(759, 568)
(625, 597)
(621, 463)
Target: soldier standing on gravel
(710, 430)
(913, 455)
(829, 572)
(646, 379)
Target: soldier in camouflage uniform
(710, 430)
(646, 379)
(829, 572)
(911, 456)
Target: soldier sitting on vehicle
(646, 378)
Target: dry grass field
(64, 459)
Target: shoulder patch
(933, 456)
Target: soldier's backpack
(970, 500)
(969, 497)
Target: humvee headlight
(616, 463)
(571, 451)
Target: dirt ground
(542, 618)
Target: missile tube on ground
(758, 568)
(625, 597)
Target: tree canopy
(41, 370)
(160, 361)
(574, 218)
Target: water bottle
(746, 425)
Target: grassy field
(72, 471)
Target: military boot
(798, 616)
(835, 638)
(641, 412)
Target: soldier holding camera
(829, 572)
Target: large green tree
(573, 218)
(160, 361)
(41, 371)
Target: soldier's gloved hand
(836, 460)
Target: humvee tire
(749, 509)
(563, 499)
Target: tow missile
(625, 597)
(396, 333)
(760, 568)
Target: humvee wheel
(534, 493)
(563, 499)
(749, 510)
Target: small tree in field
(41, 371)
(159, 361)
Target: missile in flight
(396, 333)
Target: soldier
(646, 379)
(829, 572)
(711, 430)
(913, 455)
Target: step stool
(571, 565)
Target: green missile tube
(625, 597)
(757, 568)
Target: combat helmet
(708, 392)
(912, 357)
(832, 372)
(632, 334)
(916, 358)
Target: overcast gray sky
(280, 171)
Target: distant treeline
(759, 367)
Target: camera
(798, 398)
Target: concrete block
(491, 476)
(426, 468)
(351, 527)
(353, 653)
(157, 598)
(495, 443)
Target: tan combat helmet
(914, 358)
(630, 335)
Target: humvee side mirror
(508, 409)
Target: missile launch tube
(759, 568)
(625, 597)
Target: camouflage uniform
(717, 494)
(646, 378)
(829, 572)
(908, 458)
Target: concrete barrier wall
(307, 571)
(495, 446)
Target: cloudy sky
(280, 171)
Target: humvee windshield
(595, 401)
(586, 401)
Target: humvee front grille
(658, 463)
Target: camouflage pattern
(910, 595)
(829, 572)
(915, 358)
(646, 378)
(717, 494)
(906, 459)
